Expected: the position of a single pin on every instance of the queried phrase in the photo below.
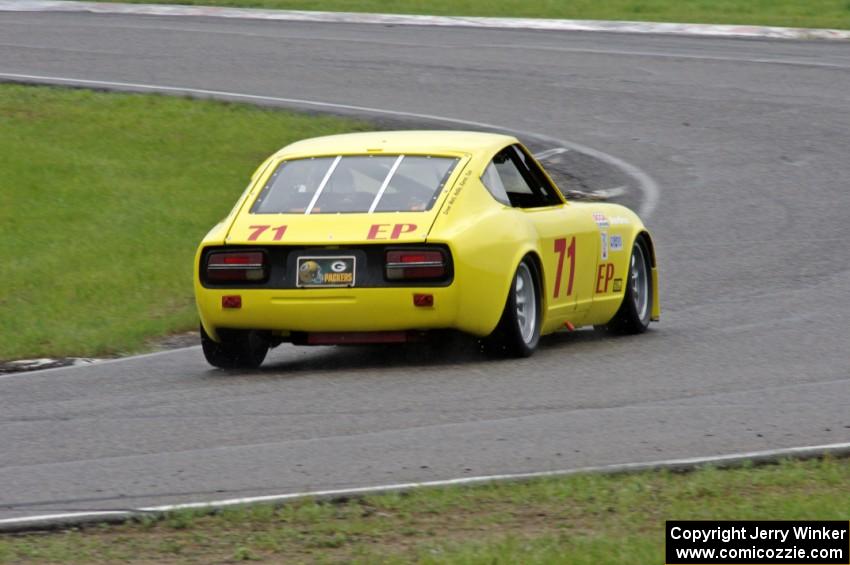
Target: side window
(514, 179)
(493, 182)
(543, 186)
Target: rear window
(355, 184)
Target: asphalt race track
(749, 142)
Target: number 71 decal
(562, 249)
(258, 231)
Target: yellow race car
(381, 237)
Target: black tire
(238, 349)
(518, 331)
(636, 309)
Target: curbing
(79, 519)
(701, 30)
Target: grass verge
(103, 199)
(790, 13)
(580, 519)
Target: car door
(568, 239)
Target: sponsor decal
(600, 219)
(616, 242)
(604, 247)
(618, 285)
(325, 271)
(619, 221)
(455, 193)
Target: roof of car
(418, 141)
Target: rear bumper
(328, 310)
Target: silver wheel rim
(639, 281)
(526, 304)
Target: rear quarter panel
(487, 240)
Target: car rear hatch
(348, 199)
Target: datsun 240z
(381, 237)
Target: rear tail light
(415, 264)
(236, 266)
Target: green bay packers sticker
(325, 271)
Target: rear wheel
(238, 349)
(518, 331)
(636, 309)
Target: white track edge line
(66, 516)
(71, 518)
(542, 24)
(646, 184)
(691, 461)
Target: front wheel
(636, 308)
(238, 349)
(518, 331)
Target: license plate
(325, 271)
